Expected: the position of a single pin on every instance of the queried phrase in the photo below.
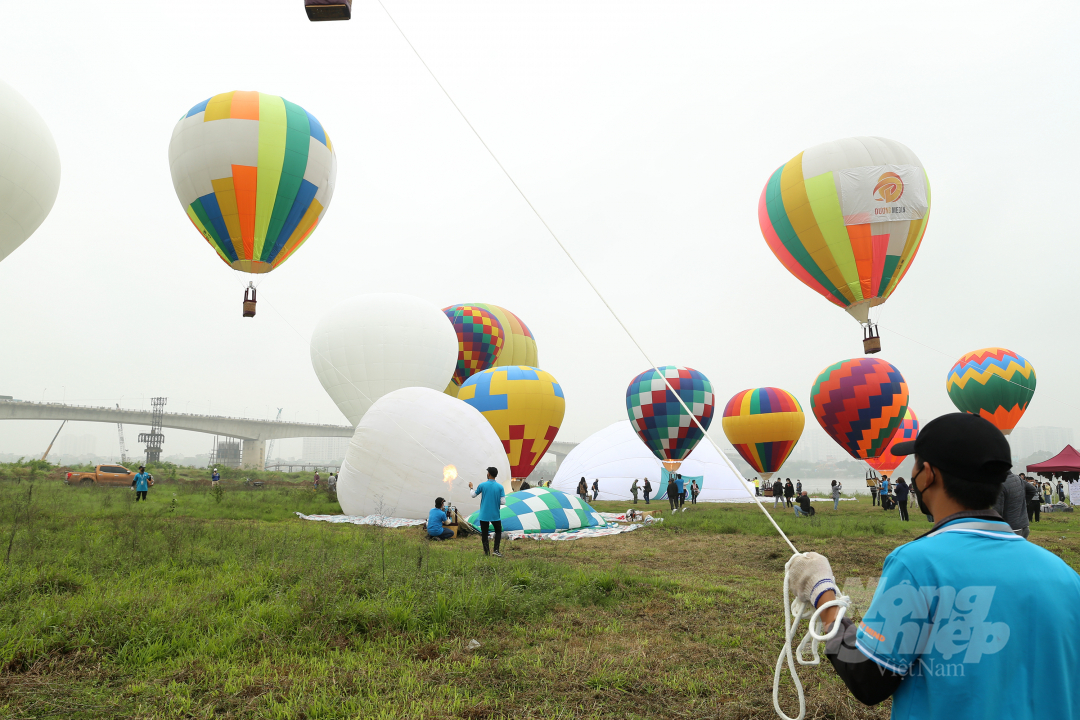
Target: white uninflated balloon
(371, 345)
(394, 464)
(29, 170)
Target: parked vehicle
(102, 475)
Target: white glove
(810, 575)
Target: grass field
(198, 604)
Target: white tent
(616, 455)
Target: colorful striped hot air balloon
(846, 218)
(908, 430)
(764, 424)
(524, 405)
(994, 383)
(658, 416)
(860, 404)
(255, 174)
(480, 340)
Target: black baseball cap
(964, 445)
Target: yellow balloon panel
(519, 345)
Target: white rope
(794, 612)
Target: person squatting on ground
(672, 493)
(803, 508)
(789, 493)
(437, 520)
(648, 490)
(777, 493)
(141, 483)
(492, 497)
(634, 490)
(957, 626)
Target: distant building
(325, 450)
(1026, 441)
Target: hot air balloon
(29, 170)
(860, 404)
(371, 345)
(764, 424)
(519, 346)
(846, 218)
(480, 340)
(255, 174)
(994, 383)
(886, 462)
(525, 405)
(658, 417)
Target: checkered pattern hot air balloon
(543, 510)
(524, 405)
(860, 404)
(846, 218)
(255, 174)
(908, 430)
(658, 417)
(764, 424)
(519, 346)
(994, 383)
(480, 339)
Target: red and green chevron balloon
(908, 430)
(860, 403)
(994, 383)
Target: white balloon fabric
(29, 170)
(371, 345)
(394, 464)
(616, 456)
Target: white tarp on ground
(394, 464)
(616, 456)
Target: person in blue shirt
(214, 478)
(492, 497)
(957, 626)
(437, 520)
(141, 483)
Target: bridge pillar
(253, 455)
(559, 457)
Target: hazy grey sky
(643, 131)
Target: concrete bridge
(253, 433)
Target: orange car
(102, 475)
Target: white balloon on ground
(29, 170)
(616, 456)
(394, 464)
(371, 345)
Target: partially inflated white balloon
(395, 461)
(371, 345)
(29, 170)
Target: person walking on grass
(681, 484)
(957, 626)
(901, 498)
(647, 490)
(492, 498)
(214, 478)
(835, 495)
(437, 521)
(694, 491)
(634, 490)
(583, 490)
(141, 483)
(595, 489)
(789, 493)
(672, 494)
(777, 493)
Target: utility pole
(154, 438)
(123, 448)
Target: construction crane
(270, 447)
(123, 448)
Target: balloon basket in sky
(322, 10)
(846, 219)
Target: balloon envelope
(394, 464)
(524, 405)
(860, 404)
(658, 417)
(254, 173)
(846, 218)
(543, 510)
(908, 430)
(480, 338)
(371, 345)
(764, 424)
(29, 170)
(994, 383)
(519, 345)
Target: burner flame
(449, 474)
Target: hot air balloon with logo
(659, 418)
(255, 174)
(480, 340)
(524, 405)
(886, 462)
(846, 218)
(764, 424)
(860, 403)
(994, 383)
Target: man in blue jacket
(492, 497)
(141, 483)
(957, 626)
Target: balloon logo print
(889, 187)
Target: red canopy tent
(1066, 464)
